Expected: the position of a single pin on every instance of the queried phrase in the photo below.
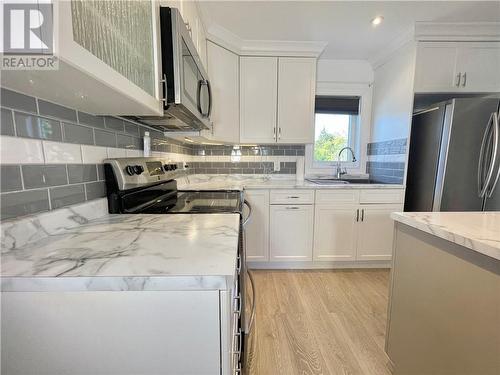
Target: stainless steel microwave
(187, 95)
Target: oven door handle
(247, 219)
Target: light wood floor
(319, 322)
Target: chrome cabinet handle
(459, 78)
(464, 82)
(293, 197)
(279, 133)
(274, 133)
(363, 214)
(357, 215)
(292, 208)
(483, 179)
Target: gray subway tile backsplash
(131, 129)
(56, 110)
(82, 173)
(37, 176)
(91, 120)
(10, 178)
(15, 100)
(104, 138)
(78, 134)
(7, 124)
(23, 203)
(30, 126)
(127, 141)
(100, 172)
(95, 190)
(66, 195)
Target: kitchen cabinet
(335, 233)
(223, 70)
(257, 229)
(277, 99)
(99, 73)
(296, 97)
(355, 225)
(375, 232)
(457, 67)
(291, 232)
(258, 93)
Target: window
(336, 124)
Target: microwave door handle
(209, 87)
(198, 96)
(495, 155)
(483, 178)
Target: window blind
(346, 105)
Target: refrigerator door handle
(483, 179)
(496, 156)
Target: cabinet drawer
(337, 196)
(381, 196)
(292, 197)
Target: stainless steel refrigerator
(454, 157)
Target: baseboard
(318, 265)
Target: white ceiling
(345, 25)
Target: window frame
(358, 134)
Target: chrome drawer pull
(293, 197)
(292, 208)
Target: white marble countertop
(241, 182)
(479, 231)
(128, 252)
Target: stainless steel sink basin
(327, 181)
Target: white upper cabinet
(479, 64)
(277, 99)
(258, 96)
(98, 72)
(296, 94)
(223, 70)
(458, 67)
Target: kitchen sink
(336, 181)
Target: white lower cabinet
(375, 232)
(291, 232)
(357, 232)
(335, 231)
(257, 229)
(317, 227)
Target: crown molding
(392, 48)
(457, 31)
(244, 47)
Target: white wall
(346, 71)
(393, 95)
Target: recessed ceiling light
(377, 20)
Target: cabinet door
(435, 67)
(376, 230)
(291, 232)
(223, 70)
(257, 229)
(335, 232)
(479, 64)
(258, 93)
(296, 94)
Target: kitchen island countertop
(479, 231)
(128, 252)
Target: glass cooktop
(196, 202)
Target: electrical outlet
(277, 166)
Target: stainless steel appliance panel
(459, 189)
(426, 130)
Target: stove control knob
(130, 170)
(166, 167)
(138, 169)
(174, 166)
